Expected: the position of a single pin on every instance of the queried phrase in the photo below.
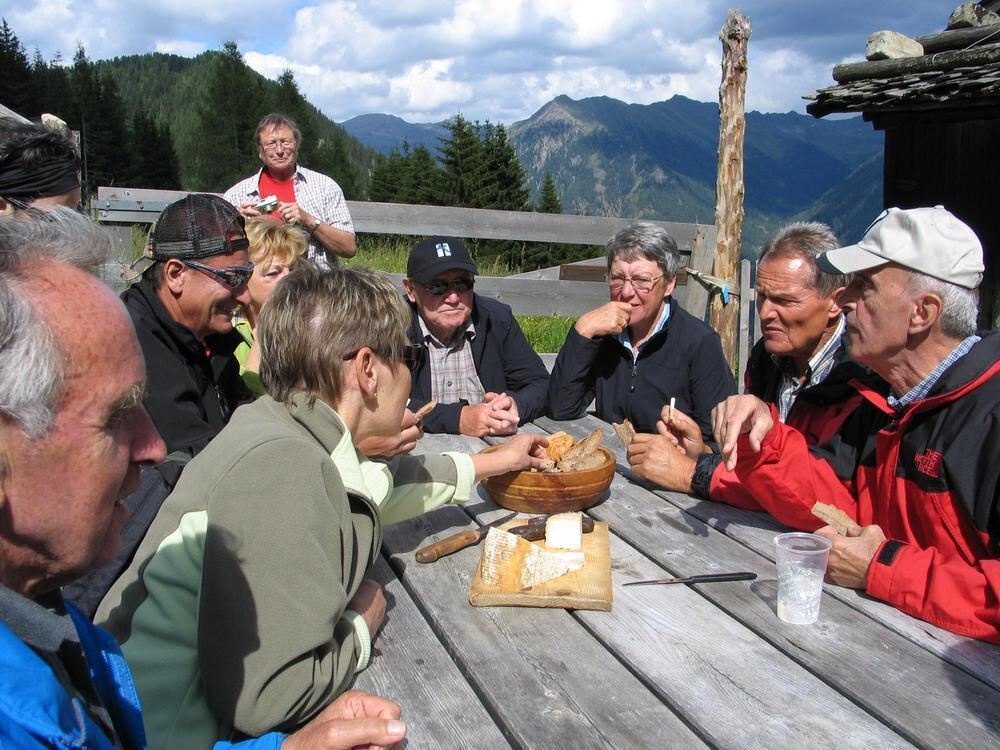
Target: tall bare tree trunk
(735, 36)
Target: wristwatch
(315, 225)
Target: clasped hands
(496, 415)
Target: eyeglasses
(273, 144)
(413, 356)
(441, 287)
(231, 276)
(639, 283)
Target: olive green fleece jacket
(232, 613)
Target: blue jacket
(683, 360)
(37, 712)
(505, 362)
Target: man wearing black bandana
(39, 168)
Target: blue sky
(425, 60)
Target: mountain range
(659, 160)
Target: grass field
(389, 254)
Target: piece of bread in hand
(625, 432)
(835, 517)
(424, 410)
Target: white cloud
(428, 59)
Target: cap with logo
(197, 226)
(930, 240)
(437, 255)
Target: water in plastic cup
(801, 560)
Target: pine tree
(222, 146)
(548, 202)
(506, 176)
(423, 177)
(386, 178)
(463, 166)
(15, 82)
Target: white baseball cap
(930, 240)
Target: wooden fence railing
(545, 292)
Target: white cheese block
(564, 531)
(541, 566)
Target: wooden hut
(938, 102)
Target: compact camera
(267, 205)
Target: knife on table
(458, 541)
(532, 530)
(706, 578)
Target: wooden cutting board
(587, 588)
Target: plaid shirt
(453, 372)
(921, 389)
(317, 194)
(820, 365)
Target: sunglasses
(231, 276)
(441, 287)
(413, 356)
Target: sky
(501, 60)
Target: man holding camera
(294, 194)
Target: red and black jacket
(817, 412)
(929, 476)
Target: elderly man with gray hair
(73, 433)
(916, 464)
(800, 364)
(641, 349)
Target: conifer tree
(506, 176)
(548, 202)
(463, 166)
(386, 177)
(222, 146)
(422, 180)
(15, 80)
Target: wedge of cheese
(507, 556)
(564, 531)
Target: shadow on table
(978, 697)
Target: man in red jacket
(917, 465)
(800, 364)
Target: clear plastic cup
(801, 560)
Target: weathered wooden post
(735, 35)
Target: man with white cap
(918, 464)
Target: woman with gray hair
(247, 608)
(641, 349)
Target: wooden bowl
(552, 491)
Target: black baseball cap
(437, 255)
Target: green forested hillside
(211, 104)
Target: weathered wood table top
(708, 665)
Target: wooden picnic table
(708, 665)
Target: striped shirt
(921, 389)
(314, 192)
(453, 372)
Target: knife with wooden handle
(458, 541)
(705, 578)
(532, 530)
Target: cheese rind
(564, 531)
(498, 552)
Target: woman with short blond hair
(275, 249)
